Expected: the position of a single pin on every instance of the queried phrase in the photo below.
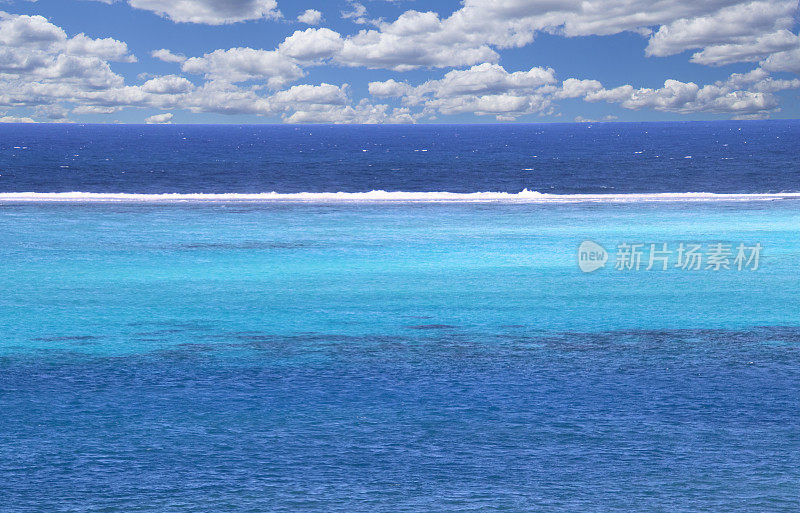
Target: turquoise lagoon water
(394, 357)
(367, 269)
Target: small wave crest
(524, 196)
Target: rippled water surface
(326, 357)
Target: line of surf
(524, 196)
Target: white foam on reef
(524, 196)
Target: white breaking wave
(524, 196)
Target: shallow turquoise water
(107, 270)
(406, 357)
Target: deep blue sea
(376, 354)
(723, 157)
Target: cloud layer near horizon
(49, 74)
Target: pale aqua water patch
(130, 278)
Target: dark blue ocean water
(678, 421)
(358, 356)
(730, 157)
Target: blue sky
(380, 61)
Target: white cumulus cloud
(16, 119)
(310, 17)
(748, 51)
(484, 89)
(210, 12)
(312, 43)
(724, 97)
(167, 84)
(243, 64)
(167, 56)
(159, 119)
(736, 24)
(787, 60)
